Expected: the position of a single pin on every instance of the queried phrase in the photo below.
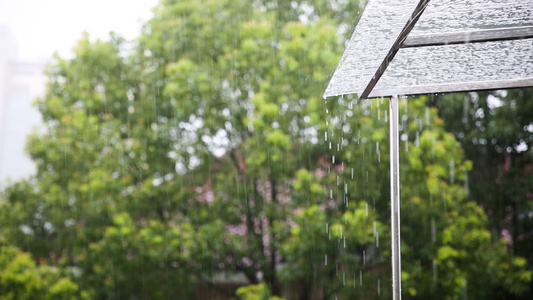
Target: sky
(41, 27)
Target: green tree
(495, 131)
(255, 292)
(21, 278)
(454, 223)
(207, 150)
(98, 165)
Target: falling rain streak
(202, 148)
(431, 155)
(341, 130)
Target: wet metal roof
(412, 47)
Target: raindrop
(343, 279)
(433, 145)
(467, 191)
(434, 272)
(433, 230)
(466, 108)
(326, 260)
(378, 152)
(452, 171)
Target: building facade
(21, 83)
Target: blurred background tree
(495, 130)
(21, 278)
(205, 149)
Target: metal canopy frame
(395, 47)
(420, 31)
(445, 39)
(404, 40)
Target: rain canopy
(410, 47)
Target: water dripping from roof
(452, 171)
(433, 230)
(343, 278)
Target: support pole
(395, 198)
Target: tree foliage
(21, 278)
(206, 149)
(495, 129)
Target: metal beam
(395, 47)
(395, 198)
(465, 37)
(452, 87)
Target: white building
(20, 84)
